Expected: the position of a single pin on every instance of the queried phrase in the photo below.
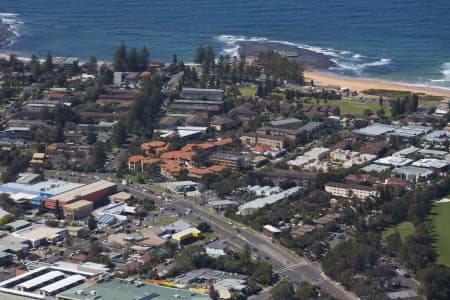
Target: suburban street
(285, 263)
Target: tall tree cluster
(279, 67)
(130, 61)
(146, 107)
(409, 104)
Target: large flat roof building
(78, 209)
(414, 174)
(209, 94)
(91, 192)
(125, 290)
(39, 234)
(396, 161)
(375, 130)
(251, 206)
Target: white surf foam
(13, 21)
(345, 60)
(445, 74)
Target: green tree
(133, 60)
(120, 58)
(436, 282)
(99, 155)
(35, 67)
(394, 243)
(92, 65)
(108, 76)
(144, 57)
(92, 223)
(91, 137)
(283, 290)
(47, 67)
(199, 55)
(204, 227)
(305, 291)
(120, 135)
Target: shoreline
(354, 83)
(361, 84)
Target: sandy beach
(359, 84)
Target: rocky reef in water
(5, 34)
(309, 58)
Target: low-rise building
(396, 161)
(39, 235)
(433, 163)
(345, 190)
(251, 206)
(414, 174)
(216, 248)
(93, 192)
(289, 123)
(224, 123)
(209, 94)
(231, 160)
(78, 210)
(272, 141)
(221, 205)
(121, 197)
(318, 153)
(271, 231)
(276, 176)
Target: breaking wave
(14, 24)
(343, 59)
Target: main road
(283, 261)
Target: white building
(350, 190)
(318, 153)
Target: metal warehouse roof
(375, 130)
(261, 202)
(29, 274)
(85, 190)
(54, 287)
(41, 280)
(125, 290)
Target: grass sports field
(353, 107)
(440, 219)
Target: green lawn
(207, 236)
(164, 221)
(353, 107)
(423, 98)
(248, 91)
(440, 219)
(387, 93)
(405, 229)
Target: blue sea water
(396, 40)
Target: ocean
(393, 40)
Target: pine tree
(47, 67)
(92, 65)
(120, 58)
(199, 55)
(108, 77)
(133, 60)
(35, 67)
(144, 57)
